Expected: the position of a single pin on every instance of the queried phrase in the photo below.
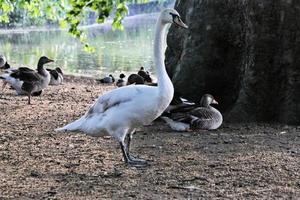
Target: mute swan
(121, 82)
(204, 117)
(56, 76)
(27, 81)
(120, 111)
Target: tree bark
(245, 53)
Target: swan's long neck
(165, 85)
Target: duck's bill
(215, 102)
(50, 60)
(179, 22)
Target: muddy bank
(237, 161)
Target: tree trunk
(245, 53)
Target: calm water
(116, 51)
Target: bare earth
(238, 161)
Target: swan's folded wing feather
(113, 98)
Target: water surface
(116, 51)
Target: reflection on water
(115, 50)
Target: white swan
(120, 111)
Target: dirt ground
(237, 161)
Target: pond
(116, 51)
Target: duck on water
(120, 111)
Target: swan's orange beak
(177, 20)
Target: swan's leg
(129, 139)
(130, 156)
(129, 160)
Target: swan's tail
(176, 126)
(73, 126)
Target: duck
(135, 79)
(145, 75)
(107, 79)
(2, 61)
(121, 82)
(178, 104)
(7, 70)
(203, 117)
(119, 112)
(56, 76)
(27, 81)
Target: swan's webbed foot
(136, 162)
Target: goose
(121, 82)
(179, 103)
(27, 81)
(120, 111)
(107, 79)
(15, 82)
(56, 76)
(204, 117)
(135, 79)
(145, 75)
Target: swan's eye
(174, 15)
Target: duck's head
(172, 16)
(122, 75)
(43, 60)
(6, 66)
(58, 69)
(207, 99)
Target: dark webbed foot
(137, 162)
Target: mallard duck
(121, 82)
(107, 79)
(27, 81)
(135, 79)
(203, 117)
(120, 111)
(56, 76)
(145, 75)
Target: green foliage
(68, 13)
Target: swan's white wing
(118, 96)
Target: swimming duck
(120, 111)
(135, 79)
(27, 81)
(121, 82)
(56, 76)
(145, 75)
(204, 117)
(107, 79)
